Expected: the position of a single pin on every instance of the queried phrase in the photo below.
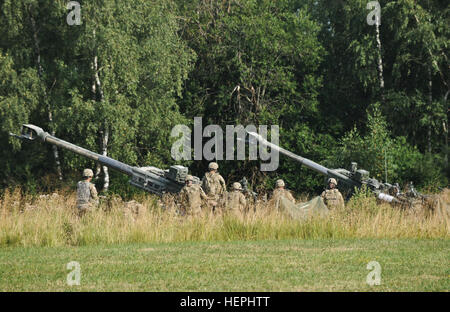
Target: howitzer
(348, 179)
(150, 179)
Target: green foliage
(141, 64)
(384, 156)
(363, 201)
(136, 68)
(19, 96)
(257, 63)
(371, 150)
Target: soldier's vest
(331, 197)
(235, 201)
(83, 193)
(193, 204)
(212, 186)
(278, 193)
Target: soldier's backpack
(83, 193)
(207, 183)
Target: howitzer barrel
(348, 181)
(150, 179)
(31, 132)
(308, 163)
(304, 161)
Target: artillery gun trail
(150, 179)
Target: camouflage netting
(301, 211)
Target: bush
(387, 158)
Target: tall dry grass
(52, 221)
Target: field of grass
(52, 221)
(282, 265)
(156, 249)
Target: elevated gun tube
(143, 179)
(30, 132)
(350, 183)
(308, 163)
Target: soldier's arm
(243, 200)
(324, 198)
(291, 197)
(203, 182)
(93, 190)
(341, 200)
(220, 179)
(202, 194)
(181, 199)
(182, 195)
(94, 194)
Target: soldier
(280, 191)
(214, 185)
(331, 196)
(236, 202)
(249, 195)
(191, 196)
(86, 193)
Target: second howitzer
(150, 179)
(348, 179)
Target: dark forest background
(340, 90)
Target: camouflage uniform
(86, 194)
(332, 197)
(235, 201)
(191, 197)
(281, 192)
(214, 185)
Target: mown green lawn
(294, 265)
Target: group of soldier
(211, 191)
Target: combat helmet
(189, 178)
(279, 183)
(88, 173)
(237, 186)
(332, 180)
(213, 165)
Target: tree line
(340, 89)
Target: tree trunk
(98, 170)
(380, 59)
(98, 167)
(430, 105)
(105, 139)
(49, 111)
(445, 126)
(105, 133)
